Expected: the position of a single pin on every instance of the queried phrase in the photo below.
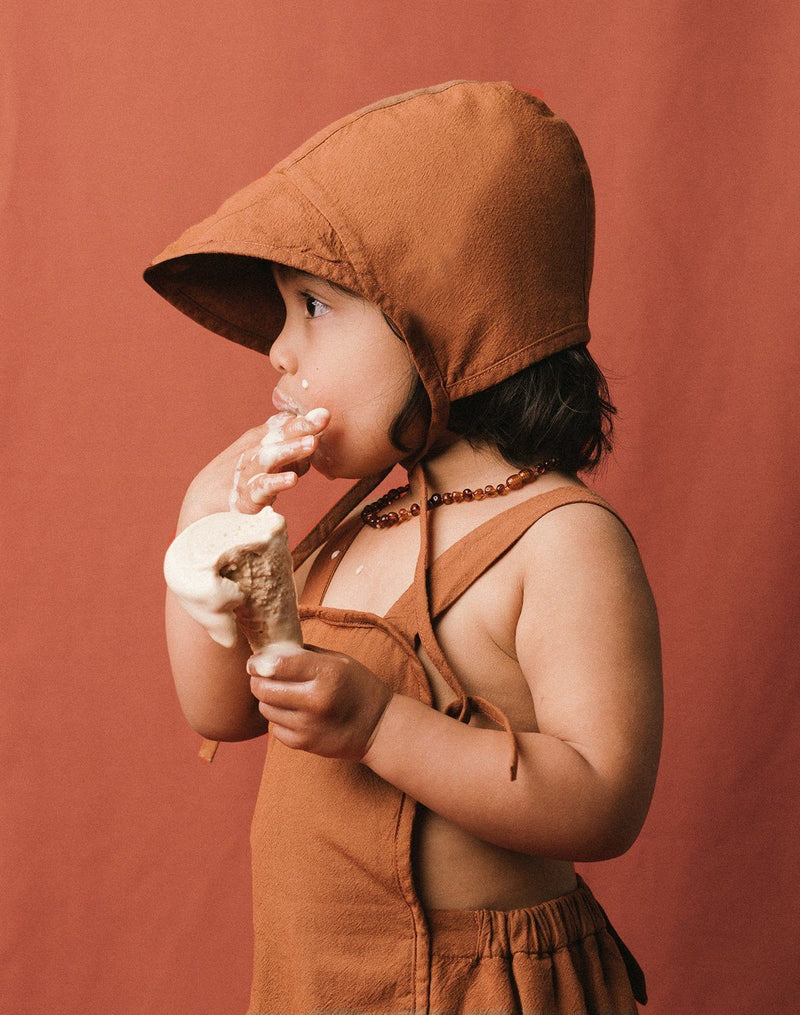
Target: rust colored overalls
(339, 927)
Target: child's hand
(273, 458)
(257, 467)
(316, 701)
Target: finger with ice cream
(282, 454)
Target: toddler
(477, 704)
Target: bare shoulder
(587, 637)
(585, 592)
(583, 543)
(588, 645)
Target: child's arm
(588, 643)
(211, 681)
(213, 694)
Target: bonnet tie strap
(461, 708)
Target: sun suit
(338, 923)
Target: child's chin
(333, 466)
(323, 471)
(321, 463)
(329, 471)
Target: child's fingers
(279, 694)
(287, 663)
(285, 702)
(273, 456)
(290, 737)
(313, 422)
(280, 719)
(287, 426)
(263, 488)
(278, 452)
(250, 498)
(289, 697)
(263, 473)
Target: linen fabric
(338, 923)
(557, 957)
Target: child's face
(337, 352)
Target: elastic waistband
(538, 930)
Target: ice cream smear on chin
(230, 561)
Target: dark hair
(557, 408)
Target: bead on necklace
(372, 514)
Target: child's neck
(459, 465)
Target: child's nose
(281, 355)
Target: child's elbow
(602, 823)
(587, 838)
(226, 728)
(613, 832)
(611, 844)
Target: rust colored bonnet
(464, 211)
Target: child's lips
(318, 417)
(282, 403)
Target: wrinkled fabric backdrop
(125, 878)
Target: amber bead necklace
(371, 514)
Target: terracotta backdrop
(125, 884)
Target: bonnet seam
(335, 231)
(374, 108)
(245, 207)
(523, 350)
(195, 247)
(584, 170)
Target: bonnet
(465, 211)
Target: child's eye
(314, 307)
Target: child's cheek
(321, 459)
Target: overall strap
(327, 560)
(340, 510)
(437, 585)
(461, 564)
(462, 706)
